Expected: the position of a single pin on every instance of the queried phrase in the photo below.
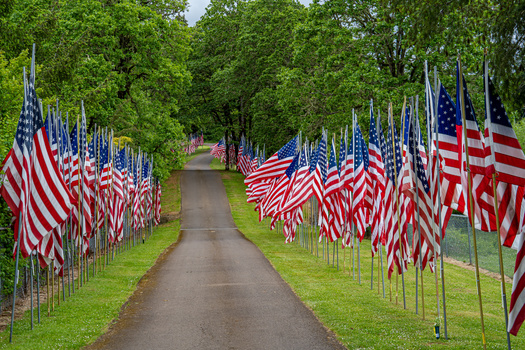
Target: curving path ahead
(215, 289)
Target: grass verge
(86, 315)
(359, 315)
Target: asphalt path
(214, 289)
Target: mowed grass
(86, 315)
(362, 318)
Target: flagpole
(471, 199)
(402, 262)
(352, 210)
(372, 243)
(344, 200)
(96, 217)
(31, 261)
(439, 207)
(496, 210)
(79, 279)
(429, 116)
(414, 114)
(16, 268)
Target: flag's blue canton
(288, 150)
(412, 149)
(83, 139)
(314, 158)
(332, 161)
(373, 139)
(124, 159)
(407, 120)
(136, 172)
(30, 120)
(342, 152)
(446, 113)
(497, 113)
(382, 142)
(74, 139)
(322, 158)
(63, 137)
(91, 148)
(50, 129)
(103, 153)
(469, 109)
(303, 161)
(361, 151)
(118, 162)
(399, 161)
(389, 161)
(145, 168)
(291, 168)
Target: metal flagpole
(356, 233)
(471, 199)
(352, 197)
(402, 262)
(79, 279)
(95, 218)
(430, 113)
(494, 184)
(439, 207)
(31, 262)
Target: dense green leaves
(268, 69)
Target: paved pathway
(215, 289)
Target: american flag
(433, 169)
(50, 247)
(452, 194)
(415, 186)
(270, 203)
(361, 162)
(80, 184)
(158, 208)
(505, 158)
(32, 185)
(483, 200)
(392, 202)
(303, 187)
(116, 209)
(332, 221)
(137, 203)
(321, 170)
(276, 165)
(376, 170)
(105, 163)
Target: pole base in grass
(436, 331)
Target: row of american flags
(67, 186)
(396, 180)
(194, 141)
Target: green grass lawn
(86, 315)
(362, 318)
